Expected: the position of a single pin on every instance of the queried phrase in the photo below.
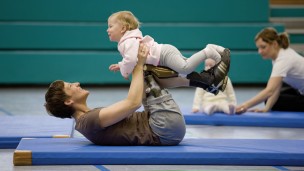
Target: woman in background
(285, 87)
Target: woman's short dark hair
(54, 101)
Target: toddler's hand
(114, 67)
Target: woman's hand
(143, 51)
(240, 109)
(258, 110)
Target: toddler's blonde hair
(127, 19)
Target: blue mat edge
(268, 119)
(193, 158)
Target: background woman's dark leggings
(289, 100)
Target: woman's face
(266, 50)
(115, 29)
(76, 93)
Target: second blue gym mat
(13, 128)
(268, 119)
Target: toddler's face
(115, 29)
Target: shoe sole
(224, 65)
(223, 87)
(223, 69)
(226, 60)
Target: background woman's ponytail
(269, 35)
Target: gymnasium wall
(42, 41)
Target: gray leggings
(166, 119)
(171, 57)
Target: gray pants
(166, 119)
(171, 57)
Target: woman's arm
(122, 109)
(273, 86)
(271, 100)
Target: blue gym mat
(79, 151)
(268, 119)
(13, 128)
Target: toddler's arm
(129, 53)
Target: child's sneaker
(215, 78)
